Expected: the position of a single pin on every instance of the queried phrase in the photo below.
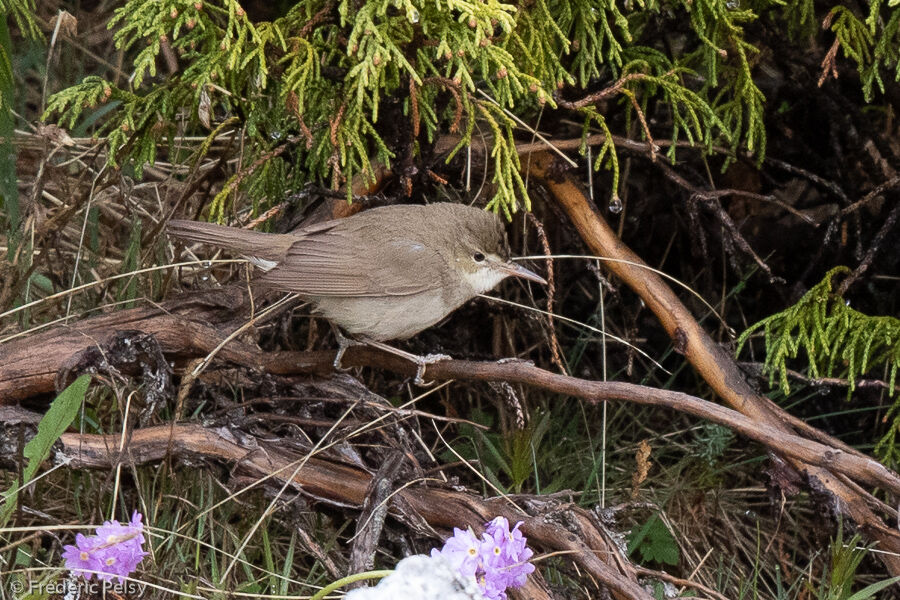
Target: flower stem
(350, 579)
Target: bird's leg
(420, 361)
(343, 343)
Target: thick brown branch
(25, 375)
(708, 358)
(345, 484)
(32, 365)
(777, 439)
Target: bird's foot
(420, 361)
(424, 361)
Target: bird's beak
(517, 270)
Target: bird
(383, 274)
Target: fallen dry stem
(343, 484)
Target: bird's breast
(384, 318)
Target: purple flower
(508, 553)
(498, 560)
(512, 542)
(463, 551)
(115, 550)
(80, 558)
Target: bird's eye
(478, 256)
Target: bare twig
(881, 188)
(877, 241)
(555, 349)
(663, 576)
(809, 175)
(603, 94)
(757, 369)
(711, 199)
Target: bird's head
(482, 254)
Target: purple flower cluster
(114, 551)
(497, 560)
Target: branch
(603, 94)
(716, 367)
(879, 238)
(65, 350)
(775, 438)
(32, 365)
(345, 484)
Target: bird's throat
(484, 280)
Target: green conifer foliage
(318, 78)
(836, 341)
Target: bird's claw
(424, 361)
(420, 361)
(337, 360)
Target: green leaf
(59, 416)
(9, 193)
(129, 288)
(655, 542)
(870, 590)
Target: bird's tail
(253, 244)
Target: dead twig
(711, 199)
(663, 576)
(191, 337)
(757, 369)
(881, 188)
(555, 348)
(775, 437)
(877, 241)
(603, 94)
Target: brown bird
(383, 274)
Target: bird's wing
(256, 244)
(328, 260)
